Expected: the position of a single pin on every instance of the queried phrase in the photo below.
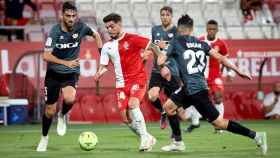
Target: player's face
(211, 31)
(69, 18)
(114, 29)
(165, 17)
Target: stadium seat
(212, 10)
(141, 13)
(86, 9)
(235, 32)
(193, 8)
(145, 31)
(155, 6)
(178, 9)
(130, 29)
(103, 8)
(123, 8)
(34, 33)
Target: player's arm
(104, 61)
(98, 40)
(48, 52)
(223, 59)
(101, 70)
(49, 57)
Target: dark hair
(185, 20)
(112, 17)
(212, 22)
(167, 8)
(69, 5)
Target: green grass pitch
(116, 141)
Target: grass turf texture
(116, 141)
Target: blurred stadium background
(250, 41)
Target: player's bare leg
(234, 127)
(50, 111)
(176, 143)
(146, 140)
(153, 94)
(69, 94)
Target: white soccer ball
(88, 140)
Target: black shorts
(200, 101)
(55, 81)
(169, 87)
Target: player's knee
(50, 111)
(220, 123)
(153, 95)
(133, 103)
(169, 109)
(69, 100)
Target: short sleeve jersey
(159, 34)
(190, 55)
(125, 54)
(66, 45)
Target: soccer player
(61, 53)
(190, 54)
(161, 35)
(213, 69)
(125, 52)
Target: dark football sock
(157, 104)
(46, 124)
(66, 108)
(237, 128)
(174, 123)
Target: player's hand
(244, 75)
(96, 77)
(165, 73)
(145, 54)
(161, 59)
(72, 63)
(162, 44)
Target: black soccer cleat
(191, 128)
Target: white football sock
(138, 121)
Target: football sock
(157, 104)
(195, 117)
(46, 124)
(174, 123)
(138, 121)
(132, 128)
(66, 107)
(220, 108)
(237, 128)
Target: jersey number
(192, 56)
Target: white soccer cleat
(261, 141)
(61, 124)
(43, 144)
(174, 146)
(147, 143)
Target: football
(88, 140)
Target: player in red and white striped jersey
(125, 52)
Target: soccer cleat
(261, 141)
(147, 143)
(191, 128)
(61, 124)
(43, 144)
(163, 121)
(174, 146)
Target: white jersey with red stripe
(125, 54)
(213, 70)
